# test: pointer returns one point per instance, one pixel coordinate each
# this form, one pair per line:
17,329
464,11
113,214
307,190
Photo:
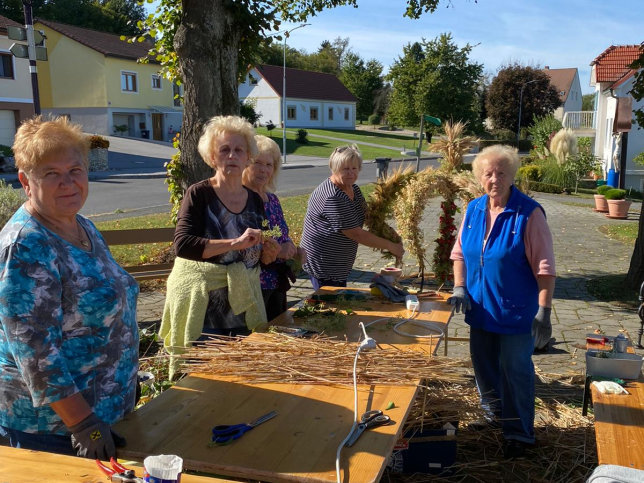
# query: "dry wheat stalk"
278,358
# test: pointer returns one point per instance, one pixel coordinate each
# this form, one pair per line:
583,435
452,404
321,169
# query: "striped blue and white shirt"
330,254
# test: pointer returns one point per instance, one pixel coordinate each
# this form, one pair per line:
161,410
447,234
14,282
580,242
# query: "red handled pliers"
118,472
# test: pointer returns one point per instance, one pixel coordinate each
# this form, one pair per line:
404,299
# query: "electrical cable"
367,343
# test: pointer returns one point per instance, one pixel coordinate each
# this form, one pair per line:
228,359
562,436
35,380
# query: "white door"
7,127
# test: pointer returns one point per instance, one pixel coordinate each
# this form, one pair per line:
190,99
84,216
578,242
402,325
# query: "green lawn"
322,147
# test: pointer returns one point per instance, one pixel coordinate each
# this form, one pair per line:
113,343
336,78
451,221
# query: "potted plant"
618,205
601,205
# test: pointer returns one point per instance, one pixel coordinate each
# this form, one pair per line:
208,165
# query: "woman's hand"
287,251
270,250
397,250
250,238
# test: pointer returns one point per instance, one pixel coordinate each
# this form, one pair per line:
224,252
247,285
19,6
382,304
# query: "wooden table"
433,309
619,421
27,466
298,445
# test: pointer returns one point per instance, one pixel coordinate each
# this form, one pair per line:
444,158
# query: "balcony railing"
579,120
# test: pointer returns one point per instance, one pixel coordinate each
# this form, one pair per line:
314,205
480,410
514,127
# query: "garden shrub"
531,172
541,130
6,150
301,136
98,142
601,190
615,194
374,119
504,135
545,187
10,200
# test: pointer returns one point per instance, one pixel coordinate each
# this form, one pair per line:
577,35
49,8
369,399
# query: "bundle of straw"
278,358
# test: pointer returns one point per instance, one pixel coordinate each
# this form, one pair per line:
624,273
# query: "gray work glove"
460,300
542,328
92,438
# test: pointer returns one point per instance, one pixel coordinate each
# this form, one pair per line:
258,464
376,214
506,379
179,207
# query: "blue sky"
557,33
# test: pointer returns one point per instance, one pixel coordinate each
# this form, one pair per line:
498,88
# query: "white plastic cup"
163,468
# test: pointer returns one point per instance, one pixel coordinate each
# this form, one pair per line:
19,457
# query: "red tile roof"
562,80
4,22
305,84
612,64
107,44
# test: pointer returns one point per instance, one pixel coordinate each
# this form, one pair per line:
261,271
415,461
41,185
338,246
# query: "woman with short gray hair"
333,223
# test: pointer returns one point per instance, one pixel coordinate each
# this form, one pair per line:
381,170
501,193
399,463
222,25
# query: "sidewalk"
581,252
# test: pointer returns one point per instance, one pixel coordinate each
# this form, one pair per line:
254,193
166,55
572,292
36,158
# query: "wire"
431,326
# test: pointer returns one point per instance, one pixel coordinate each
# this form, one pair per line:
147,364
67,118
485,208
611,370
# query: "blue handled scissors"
370,419
226,433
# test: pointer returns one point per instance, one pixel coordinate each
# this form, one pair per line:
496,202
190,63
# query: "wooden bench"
619,420
142,236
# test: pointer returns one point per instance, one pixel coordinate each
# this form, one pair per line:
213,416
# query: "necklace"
78,238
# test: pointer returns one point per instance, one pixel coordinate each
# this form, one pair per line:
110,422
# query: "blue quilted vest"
500,281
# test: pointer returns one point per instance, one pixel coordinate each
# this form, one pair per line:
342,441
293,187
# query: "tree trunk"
207,44
635,275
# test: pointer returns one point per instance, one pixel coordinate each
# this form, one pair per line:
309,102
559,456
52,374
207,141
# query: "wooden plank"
619,426
138,235
27,466
298,445
432,309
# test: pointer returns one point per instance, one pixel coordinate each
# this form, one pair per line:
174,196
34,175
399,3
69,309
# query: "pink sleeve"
538,244
457,250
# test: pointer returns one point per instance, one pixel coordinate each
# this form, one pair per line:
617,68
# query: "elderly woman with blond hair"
504,278
214,285
260,176
69,341
333,222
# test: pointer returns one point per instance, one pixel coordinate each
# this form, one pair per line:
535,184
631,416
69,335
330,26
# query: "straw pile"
278,358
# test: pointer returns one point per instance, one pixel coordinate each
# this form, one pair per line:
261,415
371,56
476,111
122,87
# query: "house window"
251,80
128,82
176,94
330,114
291,113
156,81
346,113
6,66
313,112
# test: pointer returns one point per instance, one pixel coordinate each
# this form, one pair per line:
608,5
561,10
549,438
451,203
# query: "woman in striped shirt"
333,223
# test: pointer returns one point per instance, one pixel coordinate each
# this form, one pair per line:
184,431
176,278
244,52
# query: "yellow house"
16,98
94,78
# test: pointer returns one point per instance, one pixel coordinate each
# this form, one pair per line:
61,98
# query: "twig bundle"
278,358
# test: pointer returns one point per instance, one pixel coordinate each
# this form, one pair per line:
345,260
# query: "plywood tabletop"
27,466
433,309
298,445
619,426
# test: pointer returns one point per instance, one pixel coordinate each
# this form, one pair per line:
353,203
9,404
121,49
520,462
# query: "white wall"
17,89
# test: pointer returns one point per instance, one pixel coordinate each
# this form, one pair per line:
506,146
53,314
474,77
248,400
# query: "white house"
313,99
618,137
566,81
16,96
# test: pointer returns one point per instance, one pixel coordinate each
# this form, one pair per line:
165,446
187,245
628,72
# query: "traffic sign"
20,33
22,52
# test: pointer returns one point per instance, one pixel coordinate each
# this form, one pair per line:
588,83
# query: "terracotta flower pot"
618,209
600,204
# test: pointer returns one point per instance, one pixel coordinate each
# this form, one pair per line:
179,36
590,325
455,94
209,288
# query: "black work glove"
542,328
92,438
460,300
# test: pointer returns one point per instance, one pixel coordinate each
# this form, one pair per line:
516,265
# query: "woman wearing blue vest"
504,278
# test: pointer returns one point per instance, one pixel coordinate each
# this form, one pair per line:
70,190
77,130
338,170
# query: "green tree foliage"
541,131
435,77
364,80
502,103
588,102
114,16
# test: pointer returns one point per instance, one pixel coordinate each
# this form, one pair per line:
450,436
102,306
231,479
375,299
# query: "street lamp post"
286,34
520,103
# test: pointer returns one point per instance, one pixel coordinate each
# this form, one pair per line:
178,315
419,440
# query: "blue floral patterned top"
67,326
275,216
